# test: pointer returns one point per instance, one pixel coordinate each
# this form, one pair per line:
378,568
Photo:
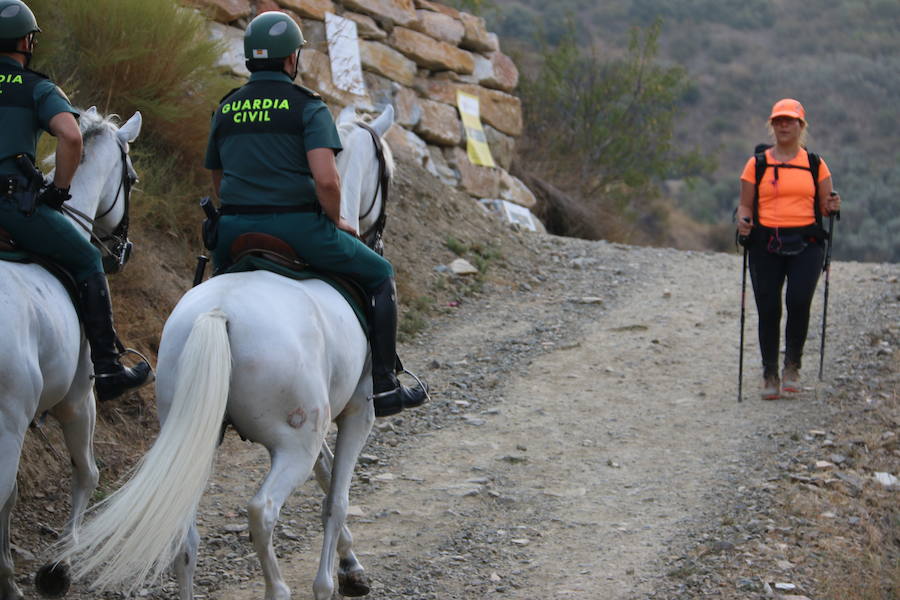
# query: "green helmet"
271,34
16,20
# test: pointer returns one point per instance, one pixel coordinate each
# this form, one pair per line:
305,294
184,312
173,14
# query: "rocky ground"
585,441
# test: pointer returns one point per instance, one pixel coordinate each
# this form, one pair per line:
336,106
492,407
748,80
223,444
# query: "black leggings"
768,272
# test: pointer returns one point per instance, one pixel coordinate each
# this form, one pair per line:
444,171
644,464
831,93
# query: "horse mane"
91,123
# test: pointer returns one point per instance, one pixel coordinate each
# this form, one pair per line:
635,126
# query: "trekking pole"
742,240
827,268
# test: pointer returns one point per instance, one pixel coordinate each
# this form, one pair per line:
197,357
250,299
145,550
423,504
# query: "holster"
23,189
210,228
18,189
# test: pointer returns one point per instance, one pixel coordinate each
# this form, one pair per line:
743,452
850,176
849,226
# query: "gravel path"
584,433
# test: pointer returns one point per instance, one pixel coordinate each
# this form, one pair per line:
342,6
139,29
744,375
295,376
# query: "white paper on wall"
343,49
512,213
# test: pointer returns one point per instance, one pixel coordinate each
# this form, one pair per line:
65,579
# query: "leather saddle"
266,246
249,246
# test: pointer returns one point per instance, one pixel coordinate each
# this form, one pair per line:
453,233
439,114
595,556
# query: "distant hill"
840,58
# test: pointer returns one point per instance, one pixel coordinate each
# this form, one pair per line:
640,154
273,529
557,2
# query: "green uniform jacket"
28,101
259,139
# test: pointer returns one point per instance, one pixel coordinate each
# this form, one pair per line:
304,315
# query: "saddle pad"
352,292
15,256
67,281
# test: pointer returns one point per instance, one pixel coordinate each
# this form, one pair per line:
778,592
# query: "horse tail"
135,533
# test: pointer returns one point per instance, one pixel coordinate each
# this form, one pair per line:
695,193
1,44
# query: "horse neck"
92,181
358,179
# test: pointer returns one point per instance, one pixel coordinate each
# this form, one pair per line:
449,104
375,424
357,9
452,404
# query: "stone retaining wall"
415,55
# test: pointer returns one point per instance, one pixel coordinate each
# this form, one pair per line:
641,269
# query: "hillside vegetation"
839,57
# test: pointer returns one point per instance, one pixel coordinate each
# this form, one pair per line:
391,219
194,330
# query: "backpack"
759,154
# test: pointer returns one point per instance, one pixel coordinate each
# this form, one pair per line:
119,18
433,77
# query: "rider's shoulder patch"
308,92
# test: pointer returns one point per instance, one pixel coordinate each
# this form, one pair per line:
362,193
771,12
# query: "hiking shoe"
771,389
790,380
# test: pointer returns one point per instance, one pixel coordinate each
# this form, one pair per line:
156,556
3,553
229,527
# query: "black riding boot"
389,396
112,378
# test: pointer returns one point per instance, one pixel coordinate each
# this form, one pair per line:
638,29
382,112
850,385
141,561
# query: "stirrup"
399,398
122,353
390,392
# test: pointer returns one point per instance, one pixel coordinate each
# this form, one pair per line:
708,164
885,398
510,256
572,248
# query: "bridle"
373,236
115,244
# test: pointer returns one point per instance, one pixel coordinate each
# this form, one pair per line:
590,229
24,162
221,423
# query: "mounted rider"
272,148
29,104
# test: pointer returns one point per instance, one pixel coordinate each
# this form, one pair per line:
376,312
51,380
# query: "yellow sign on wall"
476,142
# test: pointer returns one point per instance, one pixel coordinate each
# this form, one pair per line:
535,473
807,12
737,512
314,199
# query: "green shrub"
601,129
455,246
128,55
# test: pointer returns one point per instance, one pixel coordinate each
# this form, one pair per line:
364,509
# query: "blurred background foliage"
154,57
840,58
639,113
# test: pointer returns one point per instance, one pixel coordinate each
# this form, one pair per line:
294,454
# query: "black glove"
53,196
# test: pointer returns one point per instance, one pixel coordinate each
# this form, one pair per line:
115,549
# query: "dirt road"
584,430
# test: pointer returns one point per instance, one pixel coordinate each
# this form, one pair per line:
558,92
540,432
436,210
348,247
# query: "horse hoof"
52,580
353,584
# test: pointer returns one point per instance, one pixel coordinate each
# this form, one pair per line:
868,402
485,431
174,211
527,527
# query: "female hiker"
785,191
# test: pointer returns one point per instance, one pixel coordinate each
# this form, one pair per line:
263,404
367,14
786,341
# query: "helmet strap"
29,40
296,69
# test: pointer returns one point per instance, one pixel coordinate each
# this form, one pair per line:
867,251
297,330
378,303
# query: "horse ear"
130,130
348,115
384,121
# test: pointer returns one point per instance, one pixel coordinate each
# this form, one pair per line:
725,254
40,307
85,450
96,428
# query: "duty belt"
256,209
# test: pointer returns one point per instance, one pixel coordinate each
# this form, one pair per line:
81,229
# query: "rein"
121,247
373,235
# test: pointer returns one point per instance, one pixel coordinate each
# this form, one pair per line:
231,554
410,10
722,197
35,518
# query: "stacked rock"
415,55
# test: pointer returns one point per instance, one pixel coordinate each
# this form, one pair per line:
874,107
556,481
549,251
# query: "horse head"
365,165
102,184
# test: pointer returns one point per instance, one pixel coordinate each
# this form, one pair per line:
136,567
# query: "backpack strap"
814,161
760,172
761,165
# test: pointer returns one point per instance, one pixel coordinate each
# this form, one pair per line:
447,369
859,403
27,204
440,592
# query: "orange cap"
788,107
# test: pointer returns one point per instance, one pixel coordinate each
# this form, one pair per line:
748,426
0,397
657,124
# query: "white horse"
45,363
284,358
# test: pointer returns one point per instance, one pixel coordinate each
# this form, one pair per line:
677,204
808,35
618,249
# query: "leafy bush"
602,129
127,55
155,57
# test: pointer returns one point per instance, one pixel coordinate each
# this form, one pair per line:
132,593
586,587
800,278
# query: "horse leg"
185,564
8,588
77,421
10,451
354,425
76,415
352,580
292,464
